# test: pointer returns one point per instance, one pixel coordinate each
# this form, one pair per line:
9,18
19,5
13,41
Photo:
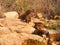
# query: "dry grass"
47,7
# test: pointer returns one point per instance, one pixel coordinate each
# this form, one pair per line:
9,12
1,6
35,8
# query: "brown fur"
39,30
52,37
41,33
39,25
27,15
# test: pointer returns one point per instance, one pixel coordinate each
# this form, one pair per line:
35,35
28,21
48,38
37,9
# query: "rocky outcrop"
16,26
20,29
15,32
11,15
18,39
4,30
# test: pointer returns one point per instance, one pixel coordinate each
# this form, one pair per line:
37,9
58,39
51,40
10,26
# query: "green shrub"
54,25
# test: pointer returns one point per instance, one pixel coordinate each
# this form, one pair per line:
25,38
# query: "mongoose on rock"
27,15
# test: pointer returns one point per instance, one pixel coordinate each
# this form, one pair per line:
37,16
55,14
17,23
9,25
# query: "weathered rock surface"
16,26
4,30
18,39
20,29
15,31
11,15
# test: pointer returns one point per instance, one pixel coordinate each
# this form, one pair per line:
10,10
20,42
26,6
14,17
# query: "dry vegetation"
49,8
40,5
